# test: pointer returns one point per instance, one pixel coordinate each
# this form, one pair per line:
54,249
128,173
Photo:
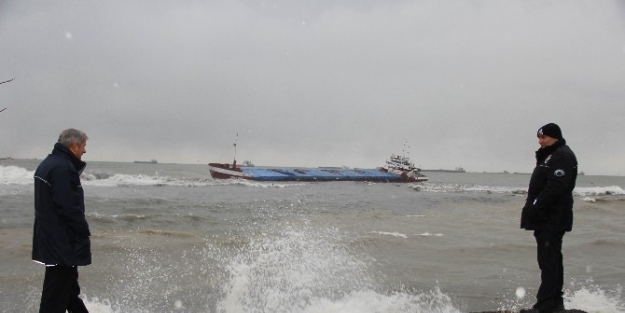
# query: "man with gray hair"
61,232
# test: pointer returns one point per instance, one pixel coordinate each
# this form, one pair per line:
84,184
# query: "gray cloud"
316,82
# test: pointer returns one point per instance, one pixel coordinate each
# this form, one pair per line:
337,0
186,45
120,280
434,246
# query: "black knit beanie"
552,130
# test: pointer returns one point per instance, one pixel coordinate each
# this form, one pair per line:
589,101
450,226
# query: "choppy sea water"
168,238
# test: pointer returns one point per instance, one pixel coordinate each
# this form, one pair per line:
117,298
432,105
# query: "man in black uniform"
548,211
61,233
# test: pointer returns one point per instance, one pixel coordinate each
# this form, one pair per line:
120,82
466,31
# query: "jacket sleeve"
559,178
68,199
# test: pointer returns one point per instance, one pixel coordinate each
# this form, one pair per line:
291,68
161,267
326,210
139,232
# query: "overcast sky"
316,82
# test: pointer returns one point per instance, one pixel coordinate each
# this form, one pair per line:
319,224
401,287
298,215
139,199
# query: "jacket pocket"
82,251
533,215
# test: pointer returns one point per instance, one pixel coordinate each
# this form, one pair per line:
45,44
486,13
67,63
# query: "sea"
169,238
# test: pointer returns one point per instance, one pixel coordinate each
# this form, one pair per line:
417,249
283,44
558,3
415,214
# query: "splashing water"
593,299
308,271
586,297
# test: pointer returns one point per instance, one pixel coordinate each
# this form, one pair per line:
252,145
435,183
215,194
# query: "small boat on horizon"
397,169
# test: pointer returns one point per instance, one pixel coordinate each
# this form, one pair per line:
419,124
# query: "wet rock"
565,311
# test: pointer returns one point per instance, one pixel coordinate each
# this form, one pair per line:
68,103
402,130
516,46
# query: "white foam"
446,187
426,234
593,299
95,305
599,191
370,302
355,302
394,234
303,270
124,180
13,175
586,297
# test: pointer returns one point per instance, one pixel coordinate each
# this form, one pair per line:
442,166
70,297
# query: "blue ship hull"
321,174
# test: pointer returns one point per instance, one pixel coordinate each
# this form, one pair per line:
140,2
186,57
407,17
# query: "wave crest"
519,191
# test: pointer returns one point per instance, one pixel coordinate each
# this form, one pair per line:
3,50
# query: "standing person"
61,233
548,211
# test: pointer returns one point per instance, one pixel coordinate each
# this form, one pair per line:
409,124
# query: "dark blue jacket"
61,233
549,203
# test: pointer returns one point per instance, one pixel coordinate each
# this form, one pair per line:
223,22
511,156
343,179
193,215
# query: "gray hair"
70,136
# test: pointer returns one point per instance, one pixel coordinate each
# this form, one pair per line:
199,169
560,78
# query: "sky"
316,82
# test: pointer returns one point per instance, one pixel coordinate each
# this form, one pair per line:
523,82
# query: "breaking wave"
521,191
300,269
14,175
303,270
586,297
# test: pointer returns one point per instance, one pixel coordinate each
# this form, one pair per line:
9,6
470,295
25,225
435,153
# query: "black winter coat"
549,203
61,233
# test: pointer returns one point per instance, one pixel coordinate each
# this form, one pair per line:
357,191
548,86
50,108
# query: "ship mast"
405,151
234,163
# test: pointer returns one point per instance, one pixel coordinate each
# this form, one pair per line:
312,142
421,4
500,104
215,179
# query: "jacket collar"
543,153
60,149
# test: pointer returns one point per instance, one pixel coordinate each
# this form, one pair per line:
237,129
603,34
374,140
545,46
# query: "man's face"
546,141
79,149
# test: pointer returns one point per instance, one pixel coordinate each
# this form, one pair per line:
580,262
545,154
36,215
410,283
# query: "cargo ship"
397,169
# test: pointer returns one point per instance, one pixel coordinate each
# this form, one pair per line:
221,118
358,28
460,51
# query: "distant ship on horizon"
152,161
456,170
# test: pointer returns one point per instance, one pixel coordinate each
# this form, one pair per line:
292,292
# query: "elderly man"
548,211
61,233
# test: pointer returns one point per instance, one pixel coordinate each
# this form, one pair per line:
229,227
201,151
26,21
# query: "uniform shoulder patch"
559,173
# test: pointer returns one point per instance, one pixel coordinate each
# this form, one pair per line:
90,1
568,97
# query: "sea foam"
521,191
587,297
13,175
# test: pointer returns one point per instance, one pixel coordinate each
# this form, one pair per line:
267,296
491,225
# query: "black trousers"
549,255
61,290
